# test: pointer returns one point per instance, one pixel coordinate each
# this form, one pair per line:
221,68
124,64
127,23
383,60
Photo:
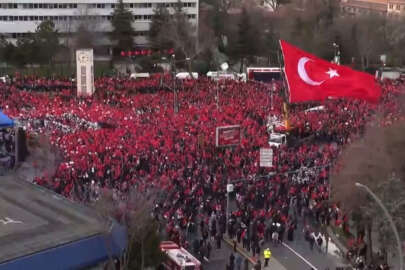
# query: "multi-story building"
21,17
384,7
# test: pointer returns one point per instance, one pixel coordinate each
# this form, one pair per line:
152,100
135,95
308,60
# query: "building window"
398,7
391,6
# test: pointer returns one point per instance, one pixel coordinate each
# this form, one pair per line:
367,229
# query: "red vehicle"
178,258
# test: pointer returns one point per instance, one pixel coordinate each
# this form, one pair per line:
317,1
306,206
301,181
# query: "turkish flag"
310,78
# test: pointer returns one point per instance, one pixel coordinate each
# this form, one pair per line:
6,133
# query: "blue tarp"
76,255
5,121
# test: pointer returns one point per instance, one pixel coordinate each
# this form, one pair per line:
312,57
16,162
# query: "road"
294,255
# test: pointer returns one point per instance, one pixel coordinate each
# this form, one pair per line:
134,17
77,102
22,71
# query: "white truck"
277,139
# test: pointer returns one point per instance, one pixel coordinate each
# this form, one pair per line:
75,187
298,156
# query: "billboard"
228,135
85,72
263,74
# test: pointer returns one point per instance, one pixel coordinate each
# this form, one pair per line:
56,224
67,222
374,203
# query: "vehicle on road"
178,258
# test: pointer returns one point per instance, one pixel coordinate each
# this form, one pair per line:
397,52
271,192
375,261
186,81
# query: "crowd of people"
129,135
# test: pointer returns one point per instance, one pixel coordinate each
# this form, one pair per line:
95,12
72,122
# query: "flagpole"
285,88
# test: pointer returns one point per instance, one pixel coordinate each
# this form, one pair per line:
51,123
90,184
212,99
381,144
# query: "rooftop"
33,219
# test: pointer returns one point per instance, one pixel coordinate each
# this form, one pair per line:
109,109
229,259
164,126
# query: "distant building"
19,18
383,7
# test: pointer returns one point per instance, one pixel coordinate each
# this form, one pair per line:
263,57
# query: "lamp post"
273,88
336,59
391,221
224,68
229,189
175,105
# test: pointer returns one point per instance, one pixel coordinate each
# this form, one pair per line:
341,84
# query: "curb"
335,239
241,251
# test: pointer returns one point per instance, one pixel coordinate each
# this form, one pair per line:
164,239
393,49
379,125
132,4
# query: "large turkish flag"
310,78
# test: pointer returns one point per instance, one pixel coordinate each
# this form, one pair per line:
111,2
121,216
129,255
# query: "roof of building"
39,229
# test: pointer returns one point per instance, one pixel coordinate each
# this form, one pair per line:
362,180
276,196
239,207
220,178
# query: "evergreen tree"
23,52
160,18
245,45
123,32
47,41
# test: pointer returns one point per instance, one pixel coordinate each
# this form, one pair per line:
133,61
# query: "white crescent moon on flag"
303,73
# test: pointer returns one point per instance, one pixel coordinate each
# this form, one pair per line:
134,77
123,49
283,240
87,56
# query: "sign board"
266,157
228,136
85,72
263,74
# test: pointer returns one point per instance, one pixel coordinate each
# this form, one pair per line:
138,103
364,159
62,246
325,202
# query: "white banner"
85,72
266,157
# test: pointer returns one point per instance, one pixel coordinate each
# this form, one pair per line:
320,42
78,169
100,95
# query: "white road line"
298,255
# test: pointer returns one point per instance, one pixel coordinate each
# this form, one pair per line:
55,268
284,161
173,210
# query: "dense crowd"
129,135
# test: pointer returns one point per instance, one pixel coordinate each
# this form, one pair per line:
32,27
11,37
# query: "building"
40,229
20,17
383,7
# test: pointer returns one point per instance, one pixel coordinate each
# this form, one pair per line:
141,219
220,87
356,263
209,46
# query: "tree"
47,41
244,46
143,249
123,32
183,36
84,38
373,161
160,19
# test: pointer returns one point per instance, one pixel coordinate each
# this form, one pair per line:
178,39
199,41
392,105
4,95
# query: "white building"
20,17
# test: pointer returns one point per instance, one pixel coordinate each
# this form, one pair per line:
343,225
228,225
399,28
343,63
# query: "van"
277,139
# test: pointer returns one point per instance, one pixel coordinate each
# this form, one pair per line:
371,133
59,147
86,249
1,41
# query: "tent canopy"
5,121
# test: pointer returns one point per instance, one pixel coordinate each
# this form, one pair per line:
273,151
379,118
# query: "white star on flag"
332,73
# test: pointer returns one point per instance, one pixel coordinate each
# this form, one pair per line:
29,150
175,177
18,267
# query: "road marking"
8,220
299,256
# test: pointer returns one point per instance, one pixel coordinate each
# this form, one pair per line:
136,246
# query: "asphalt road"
294,255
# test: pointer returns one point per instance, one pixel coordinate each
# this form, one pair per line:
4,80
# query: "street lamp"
336,59
391,221
224,67
273,89
229,190
175,101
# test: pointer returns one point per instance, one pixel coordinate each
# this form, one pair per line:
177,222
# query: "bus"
178,258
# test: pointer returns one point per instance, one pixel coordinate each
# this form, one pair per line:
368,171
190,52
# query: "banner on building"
85,72
266,157
228,136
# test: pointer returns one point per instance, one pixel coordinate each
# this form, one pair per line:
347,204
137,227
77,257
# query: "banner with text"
228,136
266,157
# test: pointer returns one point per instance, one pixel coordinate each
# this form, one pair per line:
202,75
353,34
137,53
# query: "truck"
178,258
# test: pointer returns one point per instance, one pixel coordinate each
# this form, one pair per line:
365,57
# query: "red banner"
228,136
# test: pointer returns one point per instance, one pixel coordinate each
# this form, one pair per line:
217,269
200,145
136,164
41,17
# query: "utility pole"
273,88
175,98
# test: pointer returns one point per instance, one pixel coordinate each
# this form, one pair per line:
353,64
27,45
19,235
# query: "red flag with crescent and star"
310,78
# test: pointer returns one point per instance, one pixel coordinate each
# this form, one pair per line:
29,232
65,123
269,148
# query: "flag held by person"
310,78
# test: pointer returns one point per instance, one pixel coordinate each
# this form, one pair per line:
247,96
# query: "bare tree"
183,35
375,161
136,214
